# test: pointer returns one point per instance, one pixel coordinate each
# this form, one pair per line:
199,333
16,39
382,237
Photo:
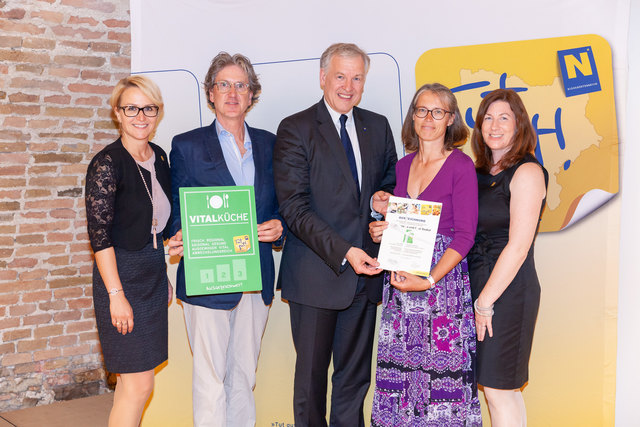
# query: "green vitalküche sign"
220,239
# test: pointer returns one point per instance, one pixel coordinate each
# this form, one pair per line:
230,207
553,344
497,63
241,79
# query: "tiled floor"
87,412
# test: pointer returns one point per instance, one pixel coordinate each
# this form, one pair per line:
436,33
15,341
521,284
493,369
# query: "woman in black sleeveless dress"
504,284
127,200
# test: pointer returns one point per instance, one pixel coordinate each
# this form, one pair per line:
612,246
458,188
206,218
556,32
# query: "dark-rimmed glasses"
436,113
225,86
134,110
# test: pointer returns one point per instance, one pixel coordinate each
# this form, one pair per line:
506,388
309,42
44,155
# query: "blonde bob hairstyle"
145,85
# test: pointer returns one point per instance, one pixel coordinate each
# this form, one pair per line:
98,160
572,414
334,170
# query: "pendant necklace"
154,220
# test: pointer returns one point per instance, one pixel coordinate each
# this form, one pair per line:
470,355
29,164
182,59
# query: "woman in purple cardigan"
426,347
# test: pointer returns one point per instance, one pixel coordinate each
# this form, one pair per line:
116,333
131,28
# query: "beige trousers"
225,346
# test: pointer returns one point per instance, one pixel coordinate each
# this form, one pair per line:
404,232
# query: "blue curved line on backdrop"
184,71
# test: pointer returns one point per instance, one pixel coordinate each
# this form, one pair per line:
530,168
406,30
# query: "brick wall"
59,60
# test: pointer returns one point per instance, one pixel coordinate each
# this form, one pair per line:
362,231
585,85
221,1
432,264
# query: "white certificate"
407,244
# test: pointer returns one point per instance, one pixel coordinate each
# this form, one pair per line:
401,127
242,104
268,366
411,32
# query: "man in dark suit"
328,161
225,330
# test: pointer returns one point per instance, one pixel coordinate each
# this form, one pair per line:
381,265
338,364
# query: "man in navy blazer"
328,162
225,330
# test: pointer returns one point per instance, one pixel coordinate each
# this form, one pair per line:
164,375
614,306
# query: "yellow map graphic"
578,142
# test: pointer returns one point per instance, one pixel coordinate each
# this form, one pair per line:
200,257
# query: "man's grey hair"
222,60
346,50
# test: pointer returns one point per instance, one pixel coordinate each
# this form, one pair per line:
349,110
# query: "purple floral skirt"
426,354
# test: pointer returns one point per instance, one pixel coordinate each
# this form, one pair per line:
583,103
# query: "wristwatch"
114,291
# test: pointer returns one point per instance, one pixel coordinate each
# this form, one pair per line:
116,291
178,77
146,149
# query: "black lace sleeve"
100,195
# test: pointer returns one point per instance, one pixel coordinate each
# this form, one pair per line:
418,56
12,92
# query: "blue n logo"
579,72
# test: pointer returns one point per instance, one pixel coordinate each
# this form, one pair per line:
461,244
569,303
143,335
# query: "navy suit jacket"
319,201
197,161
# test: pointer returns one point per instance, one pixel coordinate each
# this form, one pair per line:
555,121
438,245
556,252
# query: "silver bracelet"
483,311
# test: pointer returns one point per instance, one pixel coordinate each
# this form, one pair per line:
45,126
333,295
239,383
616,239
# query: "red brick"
58,99
82,45
82,258
80,303
69,281
18,27
13,135
90,88
89,336
7,229
63,340
43,227
41,249
76,350
22,158
9,322
39,356
110,136
84,61
82,20
23,263
9,299
55,364
43,146
38,295
15,359
16,334
64,316
55,17
13,170
63,213
31,83
61,181
69,111
121,37
58,260
42,124
77,147
52,306
24,56
30,68
8,275
22,309
25,239
23,97
121,62
48,331
16,122
90,100
12,147
83,33
65,271
13,14
38,192
31,345
38,43
27,368
10,194
64,72
104,47
16,42
83,326
19,110
102,6
7,348
49,204
59,237
68,293
38,319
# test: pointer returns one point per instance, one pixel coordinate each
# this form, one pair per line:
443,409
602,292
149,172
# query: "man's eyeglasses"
134,110
225,86
436,113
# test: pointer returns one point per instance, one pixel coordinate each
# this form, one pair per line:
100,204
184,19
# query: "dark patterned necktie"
348,148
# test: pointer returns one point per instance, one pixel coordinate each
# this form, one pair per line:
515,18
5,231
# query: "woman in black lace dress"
127,200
